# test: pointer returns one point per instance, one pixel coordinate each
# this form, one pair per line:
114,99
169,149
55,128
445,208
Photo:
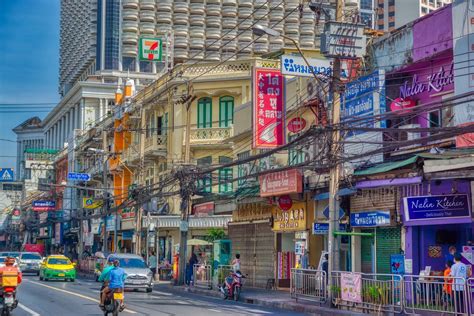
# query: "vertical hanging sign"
268,108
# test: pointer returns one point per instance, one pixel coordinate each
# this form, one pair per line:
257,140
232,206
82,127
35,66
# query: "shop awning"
194,222
341,192
384,167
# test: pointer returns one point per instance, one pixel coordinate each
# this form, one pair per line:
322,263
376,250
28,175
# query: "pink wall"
433,34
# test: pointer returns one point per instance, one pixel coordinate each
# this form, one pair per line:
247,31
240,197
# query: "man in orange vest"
10,267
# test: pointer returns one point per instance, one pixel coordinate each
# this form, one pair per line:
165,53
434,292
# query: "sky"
29,63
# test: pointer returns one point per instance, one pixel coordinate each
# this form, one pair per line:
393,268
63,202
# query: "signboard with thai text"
43,205
203,209
268,108
364,97
296,66
342,39
281,182
351,287
293,219
436,209
370,219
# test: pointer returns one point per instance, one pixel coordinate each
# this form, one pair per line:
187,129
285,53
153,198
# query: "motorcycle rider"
105,277
11,269
117,277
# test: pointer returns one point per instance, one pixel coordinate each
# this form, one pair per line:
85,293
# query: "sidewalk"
274,299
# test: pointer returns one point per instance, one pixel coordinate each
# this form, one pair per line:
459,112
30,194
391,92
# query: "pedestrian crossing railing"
367,292
436,295
202,276
307,284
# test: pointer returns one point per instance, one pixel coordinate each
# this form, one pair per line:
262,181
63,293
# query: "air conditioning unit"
409,135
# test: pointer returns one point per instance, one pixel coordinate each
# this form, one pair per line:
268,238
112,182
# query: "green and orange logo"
150,49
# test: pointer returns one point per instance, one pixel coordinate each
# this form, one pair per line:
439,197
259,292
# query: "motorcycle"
232,286
112,303
8,300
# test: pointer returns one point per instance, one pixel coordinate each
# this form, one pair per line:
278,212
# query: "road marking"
26,309
162,293
214,310
181,302
78,295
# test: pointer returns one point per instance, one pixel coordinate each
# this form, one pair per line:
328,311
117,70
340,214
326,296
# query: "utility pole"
184,182
333,246
106,193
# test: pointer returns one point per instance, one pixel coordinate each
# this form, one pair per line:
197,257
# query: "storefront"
291,239
377,236
437,219
252,237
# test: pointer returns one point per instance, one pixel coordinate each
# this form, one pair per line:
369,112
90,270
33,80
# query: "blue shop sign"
370,219
437,207
323,228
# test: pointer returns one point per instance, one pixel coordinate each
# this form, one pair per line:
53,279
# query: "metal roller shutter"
255,243
388,243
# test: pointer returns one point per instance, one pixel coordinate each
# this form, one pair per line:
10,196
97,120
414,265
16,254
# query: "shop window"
225,176
226,111
204,113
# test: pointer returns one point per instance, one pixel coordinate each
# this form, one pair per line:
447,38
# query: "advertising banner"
91,203
43,205
268,108
203,209
434,208
281,182
351,287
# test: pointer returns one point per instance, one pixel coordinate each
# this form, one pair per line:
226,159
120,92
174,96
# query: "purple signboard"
436,209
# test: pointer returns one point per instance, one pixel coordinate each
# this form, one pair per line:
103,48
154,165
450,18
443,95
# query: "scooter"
8,300
112,304
232,286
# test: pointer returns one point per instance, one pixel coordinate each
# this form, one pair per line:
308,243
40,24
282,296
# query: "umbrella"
198,242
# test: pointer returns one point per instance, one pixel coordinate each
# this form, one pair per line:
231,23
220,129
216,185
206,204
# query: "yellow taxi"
57,267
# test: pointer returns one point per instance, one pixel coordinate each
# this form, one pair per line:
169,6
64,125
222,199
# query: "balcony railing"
211,135
156,145
131,154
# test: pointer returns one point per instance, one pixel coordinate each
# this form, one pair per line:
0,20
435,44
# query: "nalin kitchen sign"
433,83
442,208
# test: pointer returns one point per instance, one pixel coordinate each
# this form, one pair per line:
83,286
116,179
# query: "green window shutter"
388,243
199,114
226,111
224,176
165,124
204,118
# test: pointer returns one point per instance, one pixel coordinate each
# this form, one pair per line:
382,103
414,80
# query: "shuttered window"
204,115
226,111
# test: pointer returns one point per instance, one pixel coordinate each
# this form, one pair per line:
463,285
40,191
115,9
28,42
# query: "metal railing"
223,271
309,285
202,275
366,292
435,294
210,134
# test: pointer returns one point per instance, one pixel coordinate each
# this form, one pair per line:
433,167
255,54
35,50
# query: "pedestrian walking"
459,273
448,286
152,263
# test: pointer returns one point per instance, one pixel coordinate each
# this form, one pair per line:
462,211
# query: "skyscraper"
392,14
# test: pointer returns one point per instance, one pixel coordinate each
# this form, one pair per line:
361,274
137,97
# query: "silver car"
139,275
30,262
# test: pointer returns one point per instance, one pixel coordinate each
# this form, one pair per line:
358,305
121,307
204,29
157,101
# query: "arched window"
226,111
204,113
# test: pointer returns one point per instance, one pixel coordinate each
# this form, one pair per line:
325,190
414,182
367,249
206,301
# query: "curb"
294,306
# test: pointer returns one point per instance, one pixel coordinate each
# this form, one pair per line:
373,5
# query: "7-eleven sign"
149,49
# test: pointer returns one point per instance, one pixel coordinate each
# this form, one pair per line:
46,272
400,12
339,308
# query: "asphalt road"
81,298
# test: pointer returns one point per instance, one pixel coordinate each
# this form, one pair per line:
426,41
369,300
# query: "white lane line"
214,310
162,293
181,302
26,309
78,295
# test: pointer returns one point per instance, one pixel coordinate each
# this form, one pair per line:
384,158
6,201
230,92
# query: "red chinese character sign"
268,108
